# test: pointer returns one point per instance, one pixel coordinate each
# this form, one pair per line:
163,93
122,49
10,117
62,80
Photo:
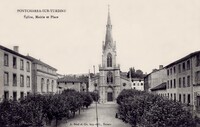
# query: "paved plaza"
87,118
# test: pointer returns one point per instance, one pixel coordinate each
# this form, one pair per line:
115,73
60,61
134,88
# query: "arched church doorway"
109,94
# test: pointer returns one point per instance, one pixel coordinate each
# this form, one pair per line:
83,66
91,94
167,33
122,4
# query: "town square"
100,63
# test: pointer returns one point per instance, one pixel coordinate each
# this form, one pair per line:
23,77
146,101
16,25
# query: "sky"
148,33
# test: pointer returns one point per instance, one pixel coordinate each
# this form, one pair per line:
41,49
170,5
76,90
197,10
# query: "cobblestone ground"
87,118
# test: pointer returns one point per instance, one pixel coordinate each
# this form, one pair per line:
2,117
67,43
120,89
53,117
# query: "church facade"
109,82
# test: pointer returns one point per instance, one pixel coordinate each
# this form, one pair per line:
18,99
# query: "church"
109,82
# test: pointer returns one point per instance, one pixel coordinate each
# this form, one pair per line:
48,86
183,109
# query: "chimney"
160,66
154,70
16,49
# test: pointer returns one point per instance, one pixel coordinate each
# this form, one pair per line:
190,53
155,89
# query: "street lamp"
95,84
96,103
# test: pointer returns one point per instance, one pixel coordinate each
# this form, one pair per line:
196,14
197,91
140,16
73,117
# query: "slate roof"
69,79
13,52
156,70
124,77
137,79
182,59
34,60
160,87
97,75
124,74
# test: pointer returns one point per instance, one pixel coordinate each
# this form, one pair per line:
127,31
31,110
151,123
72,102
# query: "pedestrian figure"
116,115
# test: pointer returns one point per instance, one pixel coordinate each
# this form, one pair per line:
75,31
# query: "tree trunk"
73,114
50,122
56,122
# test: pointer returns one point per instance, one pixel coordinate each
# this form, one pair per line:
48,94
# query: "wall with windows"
179,81
196,72
92,82
109,58
137,84
109,83
155,78
45,79
196,81
124,83
78,86
160,92
46,83
183,80
15,75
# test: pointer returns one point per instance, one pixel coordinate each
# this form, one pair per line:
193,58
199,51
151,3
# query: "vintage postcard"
104,63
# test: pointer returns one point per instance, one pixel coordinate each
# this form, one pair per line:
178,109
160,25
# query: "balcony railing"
105,67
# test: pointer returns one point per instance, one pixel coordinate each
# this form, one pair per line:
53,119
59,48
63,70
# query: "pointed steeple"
108,20
108,39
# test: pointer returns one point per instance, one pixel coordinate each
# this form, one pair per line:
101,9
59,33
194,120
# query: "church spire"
108,20
108,39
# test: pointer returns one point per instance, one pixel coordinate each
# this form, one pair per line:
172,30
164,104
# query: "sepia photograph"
100,63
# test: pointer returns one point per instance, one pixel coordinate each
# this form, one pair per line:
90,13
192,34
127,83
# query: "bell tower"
109,80
109,47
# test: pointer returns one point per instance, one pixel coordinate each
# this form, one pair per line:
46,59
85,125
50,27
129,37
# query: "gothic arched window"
109,77
109,60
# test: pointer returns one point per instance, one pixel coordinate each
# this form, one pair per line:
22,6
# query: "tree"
95,96
139,72
87,99
33,110
84,79
131,72
135,74
33,106
92,75
147,110
74,99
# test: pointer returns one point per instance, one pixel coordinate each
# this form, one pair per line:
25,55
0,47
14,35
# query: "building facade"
74,83
44,77
160,90
196,81
155,78
108,82
15,74
137,84
183,80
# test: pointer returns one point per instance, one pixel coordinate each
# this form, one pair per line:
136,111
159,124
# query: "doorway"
109,96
